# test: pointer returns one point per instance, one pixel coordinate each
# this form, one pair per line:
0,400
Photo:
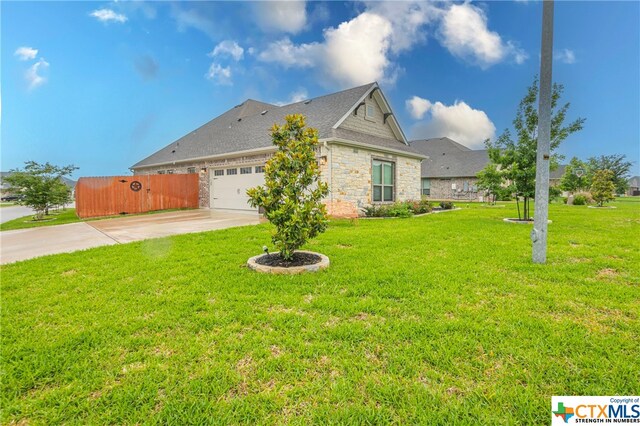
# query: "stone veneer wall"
350,178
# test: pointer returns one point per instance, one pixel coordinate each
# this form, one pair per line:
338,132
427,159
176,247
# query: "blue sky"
104,84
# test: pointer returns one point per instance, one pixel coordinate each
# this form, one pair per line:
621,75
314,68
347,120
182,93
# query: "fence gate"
113,195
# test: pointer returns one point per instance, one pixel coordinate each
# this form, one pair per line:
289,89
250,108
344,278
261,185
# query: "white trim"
397,131
346,142
233,154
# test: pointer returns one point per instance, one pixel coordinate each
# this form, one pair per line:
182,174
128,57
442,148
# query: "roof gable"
246,127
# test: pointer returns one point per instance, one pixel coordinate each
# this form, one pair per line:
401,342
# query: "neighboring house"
450,171
556,175
363,154
634,186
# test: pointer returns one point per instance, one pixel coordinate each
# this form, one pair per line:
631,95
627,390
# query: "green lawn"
440,319
59,217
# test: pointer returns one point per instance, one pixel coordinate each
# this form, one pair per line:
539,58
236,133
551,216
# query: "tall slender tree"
517,154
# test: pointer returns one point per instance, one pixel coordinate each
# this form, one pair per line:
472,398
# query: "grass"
6,204
439,319
61,217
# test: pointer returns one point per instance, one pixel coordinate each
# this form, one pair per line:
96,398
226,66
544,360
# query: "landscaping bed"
441,319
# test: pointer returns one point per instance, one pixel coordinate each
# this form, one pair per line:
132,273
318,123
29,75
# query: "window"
245,170
426,187
259,169
232,172
169,172
160,172
191,169
218,172
465,186
383,181
370,112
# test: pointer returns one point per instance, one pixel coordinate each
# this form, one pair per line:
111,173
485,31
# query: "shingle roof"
246,127
448,159
558,172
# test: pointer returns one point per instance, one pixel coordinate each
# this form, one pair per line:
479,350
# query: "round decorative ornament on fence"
135,186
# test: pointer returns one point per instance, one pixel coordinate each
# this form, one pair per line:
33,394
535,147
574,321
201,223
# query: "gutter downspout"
330,174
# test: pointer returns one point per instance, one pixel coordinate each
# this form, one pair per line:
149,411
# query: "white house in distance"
364,155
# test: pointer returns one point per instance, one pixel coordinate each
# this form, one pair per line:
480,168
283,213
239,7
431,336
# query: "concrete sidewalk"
34,242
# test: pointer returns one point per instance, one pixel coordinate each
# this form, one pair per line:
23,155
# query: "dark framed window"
218,172
169,172
383,181
160,172
426,187
191,170
232,172
259,169
245,170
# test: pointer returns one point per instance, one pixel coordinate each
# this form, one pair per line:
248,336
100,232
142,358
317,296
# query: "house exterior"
634,186
363,154
450,171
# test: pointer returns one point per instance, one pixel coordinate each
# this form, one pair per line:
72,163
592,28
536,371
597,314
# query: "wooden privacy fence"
113,195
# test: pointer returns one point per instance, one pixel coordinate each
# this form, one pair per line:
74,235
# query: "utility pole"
541,213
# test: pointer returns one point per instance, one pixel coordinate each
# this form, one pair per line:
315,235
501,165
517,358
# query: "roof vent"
263,112
240,119
307,102
173,151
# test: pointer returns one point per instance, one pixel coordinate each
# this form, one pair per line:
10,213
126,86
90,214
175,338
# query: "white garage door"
229,187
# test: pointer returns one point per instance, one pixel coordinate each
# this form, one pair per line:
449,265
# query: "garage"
229,187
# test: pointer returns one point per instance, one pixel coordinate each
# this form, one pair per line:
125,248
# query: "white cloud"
566,56
34,76
464,32
417,107
353,53
297,96
25,53
281,16
219,75
198,17
460,122
228,48
287,54
108,15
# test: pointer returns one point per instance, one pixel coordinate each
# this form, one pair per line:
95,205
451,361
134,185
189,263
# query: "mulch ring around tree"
299,259
521,221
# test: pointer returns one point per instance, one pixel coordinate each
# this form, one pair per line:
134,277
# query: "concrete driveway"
29,243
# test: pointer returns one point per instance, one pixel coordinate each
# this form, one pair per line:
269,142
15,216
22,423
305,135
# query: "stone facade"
442,189
348,171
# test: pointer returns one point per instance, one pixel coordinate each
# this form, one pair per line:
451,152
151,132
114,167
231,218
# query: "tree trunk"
518,206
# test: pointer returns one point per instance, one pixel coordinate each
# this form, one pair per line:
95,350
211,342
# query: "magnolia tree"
292,194
516,154
41,186
603,186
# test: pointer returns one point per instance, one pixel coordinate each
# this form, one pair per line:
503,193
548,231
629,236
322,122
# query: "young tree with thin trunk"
40,185
517,155
617,164
603,187
490,179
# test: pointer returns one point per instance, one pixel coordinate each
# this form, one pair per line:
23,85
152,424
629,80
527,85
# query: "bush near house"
582,199
398,209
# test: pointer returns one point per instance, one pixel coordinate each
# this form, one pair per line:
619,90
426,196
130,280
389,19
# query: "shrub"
399,210
580,200
419,206
293,192
602,187
446,205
